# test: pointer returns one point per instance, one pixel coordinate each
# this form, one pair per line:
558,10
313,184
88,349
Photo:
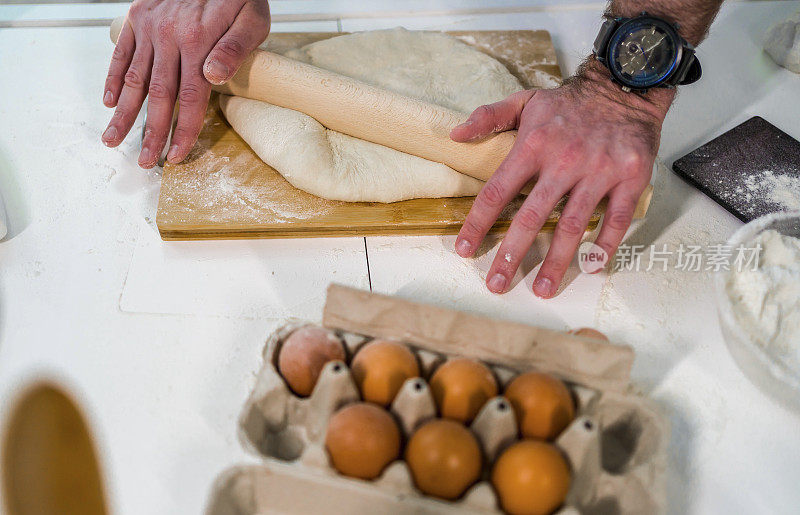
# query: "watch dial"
642,54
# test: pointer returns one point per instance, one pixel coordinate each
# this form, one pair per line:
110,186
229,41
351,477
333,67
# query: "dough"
426,65
430,66
336,166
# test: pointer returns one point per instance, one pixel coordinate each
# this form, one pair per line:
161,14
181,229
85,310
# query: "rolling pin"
366,112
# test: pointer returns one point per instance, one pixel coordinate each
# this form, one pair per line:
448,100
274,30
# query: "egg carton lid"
581,360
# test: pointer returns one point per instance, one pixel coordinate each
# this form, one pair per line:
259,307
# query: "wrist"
594,76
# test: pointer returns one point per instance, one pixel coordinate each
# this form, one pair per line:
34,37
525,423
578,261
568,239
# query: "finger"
570,228
132,95
161,103
120,60
618,216
487,119
249,29
193,98
525,226
505,183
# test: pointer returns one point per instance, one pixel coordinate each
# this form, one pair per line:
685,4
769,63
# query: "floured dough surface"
429,66
426,65
336,166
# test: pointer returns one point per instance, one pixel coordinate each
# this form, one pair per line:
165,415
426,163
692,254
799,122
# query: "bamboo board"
224,191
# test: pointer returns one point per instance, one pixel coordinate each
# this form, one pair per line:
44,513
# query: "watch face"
643,52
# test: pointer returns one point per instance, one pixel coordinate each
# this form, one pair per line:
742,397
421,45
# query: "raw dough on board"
430,66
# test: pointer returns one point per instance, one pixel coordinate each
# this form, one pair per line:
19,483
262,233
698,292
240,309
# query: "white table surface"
160,341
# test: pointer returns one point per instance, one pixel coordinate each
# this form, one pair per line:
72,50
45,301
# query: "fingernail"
108,98
216,71
147,157
110,135
497,283
463,248
543,287
172,155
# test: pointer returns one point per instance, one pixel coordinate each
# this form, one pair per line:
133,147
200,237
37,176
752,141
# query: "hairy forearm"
693,17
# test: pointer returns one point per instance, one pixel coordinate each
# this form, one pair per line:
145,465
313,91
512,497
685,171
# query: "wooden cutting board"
223,190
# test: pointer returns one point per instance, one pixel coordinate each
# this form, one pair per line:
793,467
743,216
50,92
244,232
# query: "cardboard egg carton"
615,447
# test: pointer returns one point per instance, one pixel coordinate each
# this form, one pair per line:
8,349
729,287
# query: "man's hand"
172,49
586,138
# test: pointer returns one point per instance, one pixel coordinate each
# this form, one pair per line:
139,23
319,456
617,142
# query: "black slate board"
751,170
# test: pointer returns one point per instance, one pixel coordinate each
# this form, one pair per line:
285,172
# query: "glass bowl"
769,372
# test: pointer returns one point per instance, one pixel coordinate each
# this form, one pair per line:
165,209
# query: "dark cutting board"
751,170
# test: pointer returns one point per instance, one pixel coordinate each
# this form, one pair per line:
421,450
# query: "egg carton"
615,446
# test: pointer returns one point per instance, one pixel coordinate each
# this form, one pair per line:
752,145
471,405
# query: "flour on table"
428,66
766,301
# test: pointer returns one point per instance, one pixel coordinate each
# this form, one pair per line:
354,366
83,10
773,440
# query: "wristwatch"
646,52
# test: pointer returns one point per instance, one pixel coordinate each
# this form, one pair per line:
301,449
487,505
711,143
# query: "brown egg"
542,403
362,439
444,458
588,332
380,368
304,354
461,387
531,478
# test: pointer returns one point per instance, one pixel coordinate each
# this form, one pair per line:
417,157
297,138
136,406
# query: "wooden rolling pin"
366,112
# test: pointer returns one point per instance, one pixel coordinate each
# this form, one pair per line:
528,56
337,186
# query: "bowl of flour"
758,300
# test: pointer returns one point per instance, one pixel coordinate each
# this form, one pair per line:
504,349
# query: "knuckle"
186,132
570,225
120,116
158,90
542,193
121,54
154,134
582,200
192,35
492,194
618,220
190,94
632,162
484,111
470,228
603,162
134,78
529,218
231,46
530,142
556,265
165,29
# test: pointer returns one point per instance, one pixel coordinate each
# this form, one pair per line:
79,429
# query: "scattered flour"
766,301
780,189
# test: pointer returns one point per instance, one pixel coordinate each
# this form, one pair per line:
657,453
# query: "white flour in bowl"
766,301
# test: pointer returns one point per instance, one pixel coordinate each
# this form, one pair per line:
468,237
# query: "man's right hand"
172,49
